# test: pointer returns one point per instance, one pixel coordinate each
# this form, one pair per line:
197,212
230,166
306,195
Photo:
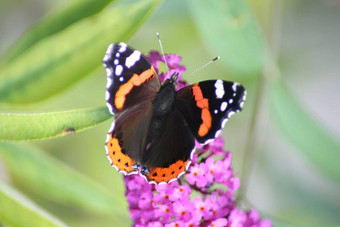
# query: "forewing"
131,79
207,105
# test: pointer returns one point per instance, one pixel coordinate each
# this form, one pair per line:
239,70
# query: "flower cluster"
202,197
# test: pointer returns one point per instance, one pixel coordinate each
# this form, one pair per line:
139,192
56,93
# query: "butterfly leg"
145,170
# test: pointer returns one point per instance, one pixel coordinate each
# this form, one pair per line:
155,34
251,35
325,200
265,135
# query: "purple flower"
173,61
183,210
204,196
220,222
181,193
196,176
163,212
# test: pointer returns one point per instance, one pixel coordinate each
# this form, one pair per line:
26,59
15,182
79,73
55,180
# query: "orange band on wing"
115,154
160,174
135,80
203,104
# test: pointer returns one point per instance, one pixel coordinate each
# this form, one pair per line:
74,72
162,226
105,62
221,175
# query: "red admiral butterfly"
155,126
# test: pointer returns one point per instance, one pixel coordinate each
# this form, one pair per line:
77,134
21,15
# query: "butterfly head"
174,77
172,80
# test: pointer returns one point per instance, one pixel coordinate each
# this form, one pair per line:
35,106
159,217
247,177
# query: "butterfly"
155,126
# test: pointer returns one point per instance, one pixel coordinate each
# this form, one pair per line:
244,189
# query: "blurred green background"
285,142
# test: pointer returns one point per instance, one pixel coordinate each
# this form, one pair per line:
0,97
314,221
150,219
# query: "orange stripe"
203,104
135,80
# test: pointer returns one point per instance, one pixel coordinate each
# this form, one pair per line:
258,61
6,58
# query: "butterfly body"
155,125
165,98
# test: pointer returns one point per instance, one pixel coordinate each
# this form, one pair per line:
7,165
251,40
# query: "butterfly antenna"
203,66
160,43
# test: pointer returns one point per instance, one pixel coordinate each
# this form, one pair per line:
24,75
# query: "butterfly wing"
132,84
168,154
127,137
207,105
131,79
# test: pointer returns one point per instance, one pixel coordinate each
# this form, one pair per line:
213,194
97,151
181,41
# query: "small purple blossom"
204,196
220,222
197,173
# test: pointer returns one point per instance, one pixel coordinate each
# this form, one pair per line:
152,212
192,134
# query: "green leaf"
306,133
54,22
33,126
231,30
17,210
58,61
55,181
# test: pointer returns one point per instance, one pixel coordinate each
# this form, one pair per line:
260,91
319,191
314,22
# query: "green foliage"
67,56
33,126
55,22
18,210
58,182
322,149
230,28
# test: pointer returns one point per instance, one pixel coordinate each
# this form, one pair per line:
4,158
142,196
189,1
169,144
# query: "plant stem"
259,119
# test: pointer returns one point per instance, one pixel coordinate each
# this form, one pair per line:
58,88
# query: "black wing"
207,105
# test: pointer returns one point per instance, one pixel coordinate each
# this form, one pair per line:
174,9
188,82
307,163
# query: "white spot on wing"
215,111
116,61
122,47
219,91
109,106
119,70
121,79
106,57
231,101
117,55
109,50
192,154
224,122
109,71
107,140
108,54
243,99
244,96
132,59
134,172
224,106
218,133
112,127
231,113
107,150
235,85
109,82
107,95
